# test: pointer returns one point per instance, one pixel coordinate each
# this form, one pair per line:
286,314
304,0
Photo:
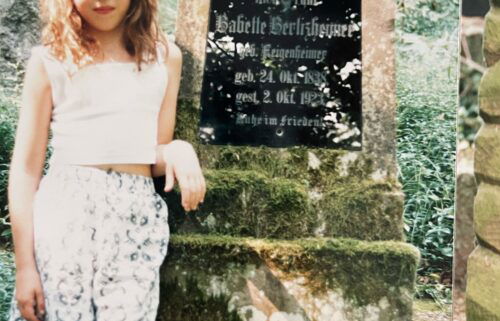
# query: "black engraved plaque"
282,73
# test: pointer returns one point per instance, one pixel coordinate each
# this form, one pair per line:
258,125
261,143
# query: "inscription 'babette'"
277,26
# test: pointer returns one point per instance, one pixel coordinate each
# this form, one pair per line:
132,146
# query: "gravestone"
294,230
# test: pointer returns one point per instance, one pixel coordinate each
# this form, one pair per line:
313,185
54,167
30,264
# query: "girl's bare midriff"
138,169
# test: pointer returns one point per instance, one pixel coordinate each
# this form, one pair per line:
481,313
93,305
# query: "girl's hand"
29,294
182,164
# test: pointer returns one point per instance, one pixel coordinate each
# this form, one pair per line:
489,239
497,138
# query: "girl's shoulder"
51,63
161,50
172,55
43,52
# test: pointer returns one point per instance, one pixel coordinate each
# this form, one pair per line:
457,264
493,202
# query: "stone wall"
483,270
466,189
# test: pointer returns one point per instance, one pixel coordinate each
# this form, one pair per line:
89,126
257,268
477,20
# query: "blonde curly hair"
63,31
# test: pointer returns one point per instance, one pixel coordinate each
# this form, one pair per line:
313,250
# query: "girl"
91,234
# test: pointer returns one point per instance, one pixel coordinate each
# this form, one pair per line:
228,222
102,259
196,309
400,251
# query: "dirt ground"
429,311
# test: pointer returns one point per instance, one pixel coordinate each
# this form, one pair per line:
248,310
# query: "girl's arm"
26,169
176,158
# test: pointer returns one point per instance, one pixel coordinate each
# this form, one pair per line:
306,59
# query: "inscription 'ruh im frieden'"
291,2
283,73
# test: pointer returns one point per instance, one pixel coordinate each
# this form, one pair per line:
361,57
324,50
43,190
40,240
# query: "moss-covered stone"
362,210
246,203
491,36
291,192
364,273
487,154
250,203
483,285
486,218
490,85
199,306
489,94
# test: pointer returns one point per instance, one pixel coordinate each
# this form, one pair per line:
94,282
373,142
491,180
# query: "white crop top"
107,113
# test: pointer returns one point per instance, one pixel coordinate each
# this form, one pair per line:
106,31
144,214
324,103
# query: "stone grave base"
222,278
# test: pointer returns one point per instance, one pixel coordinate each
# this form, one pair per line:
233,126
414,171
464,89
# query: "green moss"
249,203
187,302
187,120
282,162
364,272
289,162
476,311
362,210
490,84
271,192
246,203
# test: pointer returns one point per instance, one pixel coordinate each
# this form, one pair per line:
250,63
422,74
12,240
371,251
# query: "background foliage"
427,82
429,18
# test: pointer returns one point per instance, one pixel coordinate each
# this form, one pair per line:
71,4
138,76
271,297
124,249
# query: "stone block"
251,203
362,210
492,35
246,203
487,154
489,95
243,279
483,285
487,215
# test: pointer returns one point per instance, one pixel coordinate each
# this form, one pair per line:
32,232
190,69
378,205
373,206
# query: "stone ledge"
245,203
305,279
251,203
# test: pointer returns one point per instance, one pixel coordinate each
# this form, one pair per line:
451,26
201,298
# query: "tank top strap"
55,71
162,51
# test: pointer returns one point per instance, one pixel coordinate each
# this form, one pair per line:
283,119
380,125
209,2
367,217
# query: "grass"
427,82
7,282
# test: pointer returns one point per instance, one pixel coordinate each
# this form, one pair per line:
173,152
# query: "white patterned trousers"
100,238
